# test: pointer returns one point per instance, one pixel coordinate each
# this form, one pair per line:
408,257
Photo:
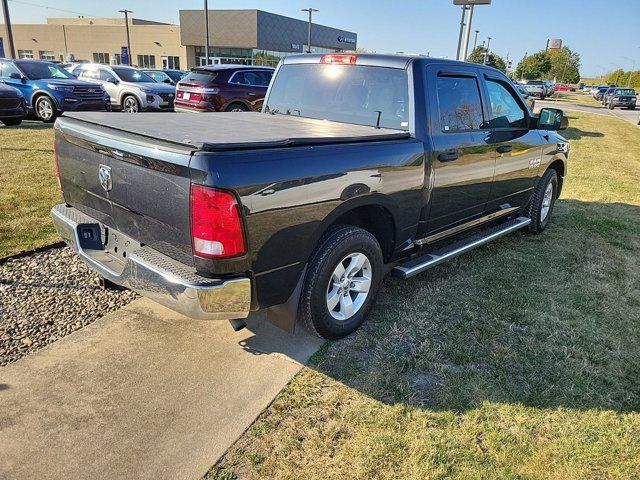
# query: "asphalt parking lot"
141,393
628,115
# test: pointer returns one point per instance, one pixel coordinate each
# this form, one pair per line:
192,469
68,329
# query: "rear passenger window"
506,112
459,103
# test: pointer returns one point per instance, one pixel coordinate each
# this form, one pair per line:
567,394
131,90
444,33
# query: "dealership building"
235,36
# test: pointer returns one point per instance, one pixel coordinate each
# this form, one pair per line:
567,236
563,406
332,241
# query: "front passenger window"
506,112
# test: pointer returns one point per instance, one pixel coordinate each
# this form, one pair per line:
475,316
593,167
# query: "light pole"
464,13
486,53
310,10
633,68
206,31
475,39
7,22
126,22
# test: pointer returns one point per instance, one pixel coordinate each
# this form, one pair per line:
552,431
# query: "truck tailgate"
147,194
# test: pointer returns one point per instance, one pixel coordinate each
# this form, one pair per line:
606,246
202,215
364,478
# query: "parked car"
561,87
160,76
621,97
550,87
131,89
50,90
602,94
176,75
536,88
529,100
400,156
599,92
223,88
13,107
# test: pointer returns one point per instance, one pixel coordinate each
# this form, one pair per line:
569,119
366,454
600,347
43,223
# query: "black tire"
237,107
12,122
611,106
131,104
539,221
45,109
333,248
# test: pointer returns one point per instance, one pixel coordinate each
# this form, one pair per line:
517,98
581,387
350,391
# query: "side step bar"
420,264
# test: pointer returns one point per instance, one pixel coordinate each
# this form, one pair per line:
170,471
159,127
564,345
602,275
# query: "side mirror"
169,81
17,76
112,80
552,119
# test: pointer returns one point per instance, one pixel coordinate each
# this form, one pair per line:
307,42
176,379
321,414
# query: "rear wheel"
543,200
45,109
12,122
237,107
130,104
341,282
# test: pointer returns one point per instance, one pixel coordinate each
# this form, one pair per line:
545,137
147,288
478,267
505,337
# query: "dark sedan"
223,88
13,107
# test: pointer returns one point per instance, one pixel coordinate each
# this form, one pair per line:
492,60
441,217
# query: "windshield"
625,91
344,93
132,75
159,76
43,70
534,82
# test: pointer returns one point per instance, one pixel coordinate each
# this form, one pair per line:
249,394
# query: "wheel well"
237,102
128,94
37,95
558,166
376,220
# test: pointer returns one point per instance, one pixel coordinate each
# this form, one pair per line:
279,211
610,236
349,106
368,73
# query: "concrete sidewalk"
142,393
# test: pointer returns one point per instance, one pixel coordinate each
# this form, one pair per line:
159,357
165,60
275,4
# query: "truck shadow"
546,321
573,133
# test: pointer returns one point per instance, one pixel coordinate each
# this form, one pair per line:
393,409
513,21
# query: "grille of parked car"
9,102
89,93
167,97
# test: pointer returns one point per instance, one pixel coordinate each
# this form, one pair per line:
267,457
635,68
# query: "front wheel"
542,202
130,104
237,107
341,282
45,109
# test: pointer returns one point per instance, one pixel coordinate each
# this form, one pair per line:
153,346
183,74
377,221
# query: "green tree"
493,60
534,67
565,66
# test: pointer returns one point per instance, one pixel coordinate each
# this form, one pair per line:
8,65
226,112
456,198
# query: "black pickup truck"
358,165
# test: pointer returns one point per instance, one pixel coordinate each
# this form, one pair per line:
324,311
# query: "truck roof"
233,130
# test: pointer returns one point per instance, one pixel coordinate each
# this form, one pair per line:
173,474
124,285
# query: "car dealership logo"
104,177
342,39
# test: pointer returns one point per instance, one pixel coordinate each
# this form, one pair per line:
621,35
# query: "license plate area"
186,96
119,245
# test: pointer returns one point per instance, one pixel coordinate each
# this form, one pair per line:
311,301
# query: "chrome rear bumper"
152,274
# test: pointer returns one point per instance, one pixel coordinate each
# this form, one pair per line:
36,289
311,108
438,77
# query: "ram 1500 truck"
358,165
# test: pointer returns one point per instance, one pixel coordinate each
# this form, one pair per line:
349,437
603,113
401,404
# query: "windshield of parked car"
132,75
159,76
42,70
625,91
603,89
534,82
356,94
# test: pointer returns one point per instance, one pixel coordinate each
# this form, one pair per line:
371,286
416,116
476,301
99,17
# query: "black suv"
620,97
12,105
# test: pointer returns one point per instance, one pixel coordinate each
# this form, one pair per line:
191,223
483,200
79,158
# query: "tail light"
339,58
56,168
216,227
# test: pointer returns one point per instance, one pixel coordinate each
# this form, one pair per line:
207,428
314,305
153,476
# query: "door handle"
251,94
504,148
448,156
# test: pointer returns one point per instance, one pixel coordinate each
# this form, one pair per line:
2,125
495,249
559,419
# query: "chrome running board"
424,262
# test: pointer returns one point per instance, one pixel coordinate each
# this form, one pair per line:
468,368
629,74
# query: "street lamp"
633,68
310,10
486,53
475,39
126,21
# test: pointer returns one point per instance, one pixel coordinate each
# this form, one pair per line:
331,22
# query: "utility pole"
475,39
467,34
310,10
206,31
7,22
126,21
464,14
486,53
546,49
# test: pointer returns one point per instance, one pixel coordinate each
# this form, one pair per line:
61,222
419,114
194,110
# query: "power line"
51,8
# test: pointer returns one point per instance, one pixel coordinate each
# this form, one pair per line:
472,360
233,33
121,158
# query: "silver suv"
130,89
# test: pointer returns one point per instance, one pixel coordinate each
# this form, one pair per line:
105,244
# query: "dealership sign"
1,48
342,39
471,2
124,54
555,44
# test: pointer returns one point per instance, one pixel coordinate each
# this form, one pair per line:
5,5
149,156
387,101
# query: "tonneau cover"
234,130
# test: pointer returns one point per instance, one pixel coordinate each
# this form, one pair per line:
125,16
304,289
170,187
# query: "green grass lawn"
575,98
28,188
518,360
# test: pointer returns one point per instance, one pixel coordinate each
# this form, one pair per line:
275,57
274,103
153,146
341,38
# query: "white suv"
130,89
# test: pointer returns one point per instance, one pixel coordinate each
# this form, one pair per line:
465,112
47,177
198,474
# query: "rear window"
534,82
200,76
344,93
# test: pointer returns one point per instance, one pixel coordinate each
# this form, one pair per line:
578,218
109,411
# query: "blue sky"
418,26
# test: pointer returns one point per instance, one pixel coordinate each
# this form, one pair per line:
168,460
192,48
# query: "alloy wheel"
45,109
349,286
546,202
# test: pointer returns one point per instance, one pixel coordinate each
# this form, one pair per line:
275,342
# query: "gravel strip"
48,295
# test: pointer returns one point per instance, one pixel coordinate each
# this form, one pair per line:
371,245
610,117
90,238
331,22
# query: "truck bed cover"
236,130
